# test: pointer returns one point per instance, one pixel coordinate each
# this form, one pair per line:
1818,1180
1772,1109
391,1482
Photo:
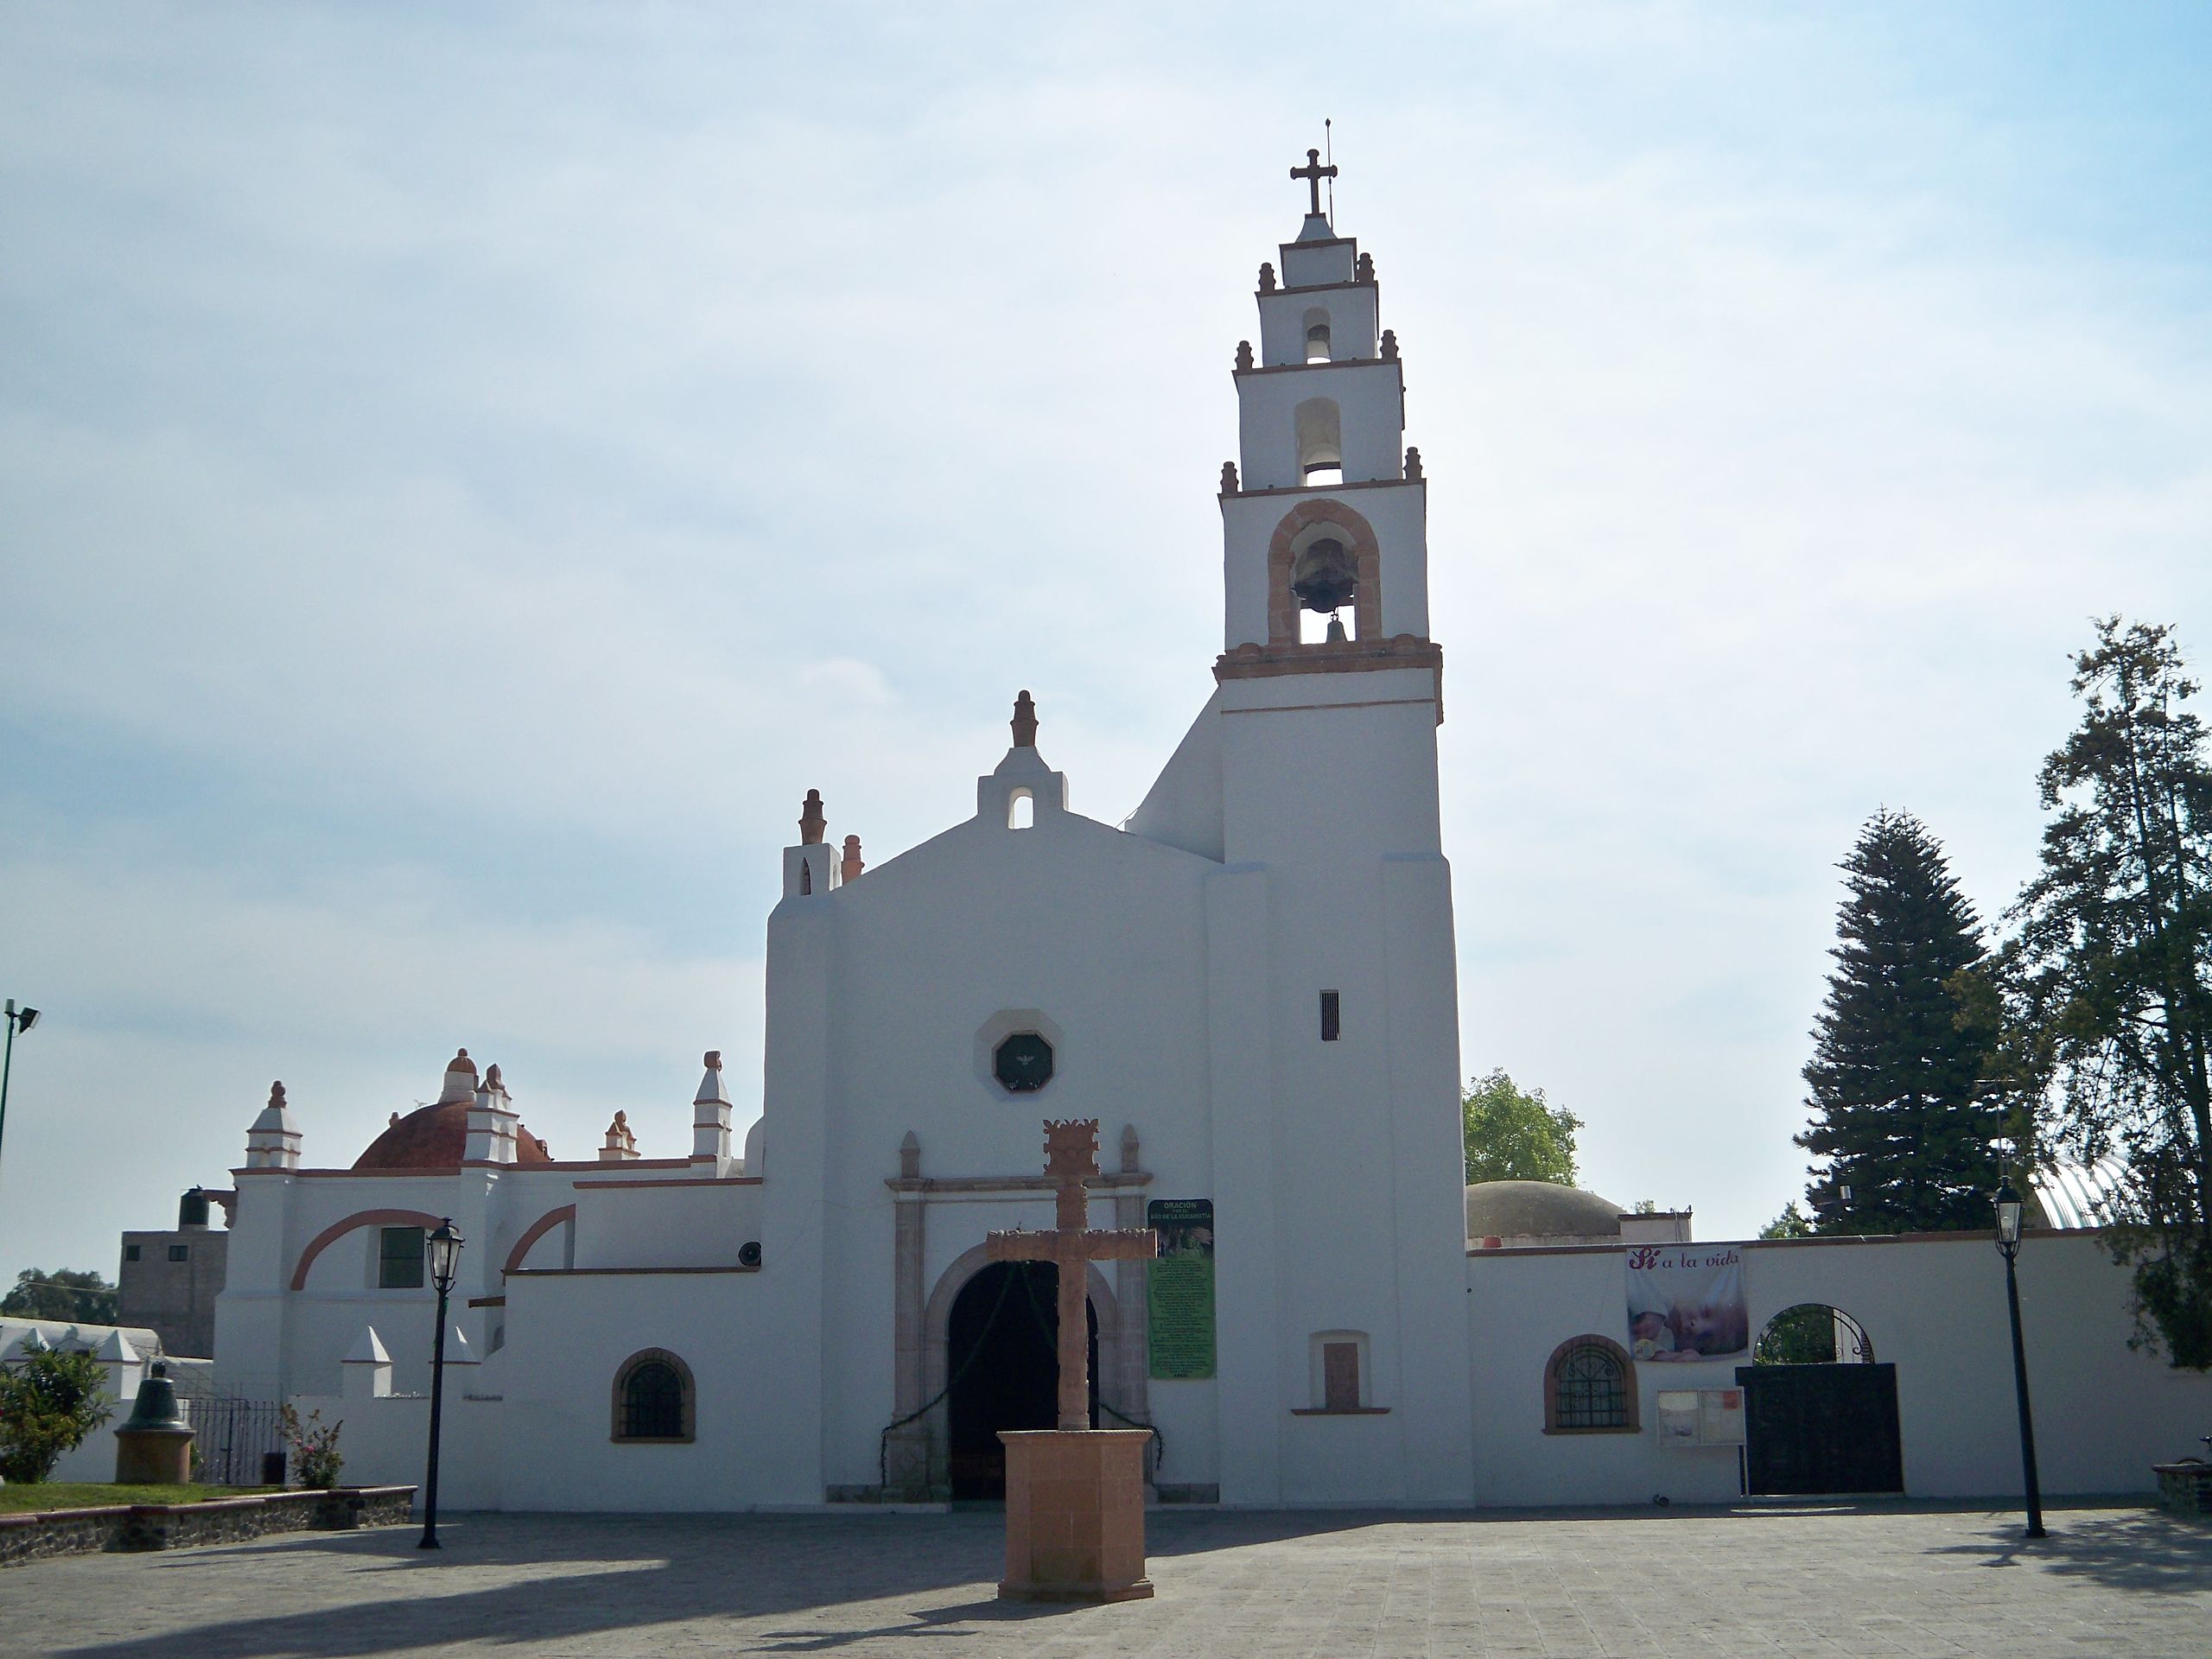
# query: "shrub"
49,1401
314,1448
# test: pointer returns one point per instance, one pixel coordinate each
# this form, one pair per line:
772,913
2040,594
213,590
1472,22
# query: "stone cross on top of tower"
1313,173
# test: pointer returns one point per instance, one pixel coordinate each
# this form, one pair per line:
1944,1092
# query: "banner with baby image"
1686,1301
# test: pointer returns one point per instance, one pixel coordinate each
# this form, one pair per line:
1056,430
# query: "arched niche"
1307,522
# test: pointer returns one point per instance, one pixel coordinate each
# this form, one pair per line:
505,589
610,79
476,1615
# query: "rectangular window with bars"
399,1258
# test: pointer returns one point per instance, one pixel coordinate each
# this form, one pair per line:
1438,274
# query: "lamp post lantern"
2010,1212
441,1254
18,1019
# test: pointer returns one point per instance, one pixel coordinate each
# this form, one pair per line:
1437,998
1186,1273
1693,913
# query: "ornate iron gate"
240,1442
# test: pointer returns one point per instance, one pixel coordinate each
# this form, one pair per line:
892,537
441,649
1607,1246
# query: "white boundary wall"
1932,1303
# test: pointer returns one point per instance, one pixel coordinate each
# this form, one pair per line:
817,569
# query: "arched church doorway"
1001,1346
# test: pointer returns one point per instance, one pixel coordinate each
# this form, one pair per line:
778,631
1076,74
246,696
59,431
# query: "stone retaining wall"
217,1521
2185,1487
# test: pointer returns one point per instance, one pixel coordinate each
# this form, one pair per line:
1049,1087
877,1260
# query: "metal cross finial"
1313,173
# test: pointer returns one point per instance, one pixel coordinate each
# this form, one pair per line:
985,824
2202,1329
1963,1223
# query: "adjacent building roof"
1539,1210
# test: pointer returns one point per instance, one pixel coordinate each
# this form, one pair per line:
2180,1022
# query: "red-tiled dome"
435,1137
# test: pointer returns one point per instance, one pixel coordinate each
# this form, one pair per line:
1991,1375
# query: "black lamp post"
18,1019
2010,1211
441,1254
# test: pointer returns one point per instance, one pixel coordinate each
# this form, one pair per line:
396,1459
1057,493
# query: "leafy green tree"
2108,980
49,1400
1900,1048
1513,1136
1792,1223
80,1298
1804,1335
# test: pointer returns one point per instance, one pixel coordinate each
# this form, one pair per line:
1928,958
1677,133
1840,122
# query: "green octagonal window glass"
1022,1063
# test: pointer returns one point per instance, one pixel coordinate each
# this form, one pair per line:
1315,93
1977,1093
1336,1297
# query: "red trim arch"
338,1229
544,1224
1367,564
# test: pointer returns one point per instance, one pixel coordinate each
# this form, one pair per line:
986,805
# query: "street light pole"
18,1019
441,1253
2009,1213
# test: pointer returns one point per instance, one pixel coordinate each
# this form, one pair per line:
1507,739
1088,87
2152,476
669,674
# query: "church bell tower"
1329,695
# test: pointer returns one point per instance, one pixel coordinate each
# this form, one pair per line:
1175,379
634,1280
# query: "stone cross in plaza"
1071,1160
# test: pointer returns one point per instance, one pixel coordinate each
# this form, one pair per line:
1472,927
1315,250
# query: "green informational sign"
1179,1298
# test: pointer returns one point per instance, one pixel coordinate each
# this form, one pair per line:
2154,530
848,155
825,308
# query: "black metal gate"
1822,1429
238,1442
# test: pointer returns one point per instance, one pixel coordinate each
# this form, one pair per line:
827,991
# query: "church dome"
435,1137
1539,1210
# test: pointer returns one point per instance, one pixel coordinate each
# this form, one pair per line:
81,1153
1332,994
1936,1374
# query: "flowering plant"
314,1447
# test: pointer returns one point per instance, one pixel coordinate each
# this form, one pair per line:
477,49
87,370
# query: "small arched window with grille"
1590,1389
653,1398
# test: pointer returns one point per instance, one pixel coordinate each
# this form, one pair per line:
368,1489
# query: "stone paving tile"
1882,1580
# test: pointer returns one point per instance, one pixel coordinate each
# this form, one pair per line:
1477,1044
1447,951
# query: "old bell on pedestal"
1323,578
154,1448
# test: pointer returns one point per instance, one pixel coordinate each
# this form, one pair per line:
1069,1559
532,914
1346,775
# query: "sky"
466,472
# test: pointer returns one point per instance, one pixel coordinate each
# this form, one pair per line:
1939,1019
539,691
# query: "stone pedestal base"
153,1456
1075,1515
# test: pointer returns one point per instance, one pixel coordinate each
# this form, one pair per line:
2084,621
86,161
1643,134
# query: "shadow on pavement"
600,1574
2127,1549
563,1579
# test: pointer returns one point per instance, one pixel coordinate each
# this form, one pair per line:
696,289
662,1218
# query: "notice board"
1179,1295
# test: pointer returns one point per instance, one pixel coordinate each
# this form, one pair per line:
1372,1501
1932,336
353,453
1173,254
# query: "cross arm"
1123,1243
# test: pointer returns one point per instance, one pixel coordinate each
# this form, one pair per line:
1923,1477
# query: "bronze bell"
1324,579
156,1406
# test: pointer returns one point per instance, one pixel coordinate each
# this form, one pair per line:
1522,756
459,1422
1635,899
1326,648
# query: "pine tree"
1899,1049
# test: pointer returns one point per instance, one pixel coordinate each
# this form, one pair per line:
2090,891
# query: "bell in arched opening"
1317,343
1324,578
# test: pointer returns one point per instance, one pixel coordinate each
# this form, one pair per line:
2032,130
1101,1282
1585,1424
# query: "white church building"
1251,985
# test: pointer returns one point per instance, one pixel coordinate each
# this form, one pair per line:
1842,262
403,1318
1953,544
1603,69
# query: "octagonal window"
1023,1062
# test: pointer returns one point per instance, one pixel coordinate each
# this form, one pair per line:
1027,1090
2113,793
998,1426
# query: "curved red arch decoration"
544,1224
338,1229
1367,563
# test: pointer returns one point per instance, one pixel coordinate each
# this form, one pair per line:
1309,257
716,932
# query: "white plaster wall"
1183,807
570,1334
386,1441
1371,404
1101,931
1352,325
1304,264
677,1222
1933,1305
272,1341
1329,783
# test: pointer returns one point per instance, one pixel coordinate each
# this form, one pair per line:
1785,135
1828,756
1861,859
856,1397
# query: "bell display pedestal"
153,1456
1075,1515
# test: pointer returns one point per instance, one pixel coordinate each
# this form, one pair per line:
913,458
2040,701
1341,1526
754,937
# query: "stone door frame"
916,1454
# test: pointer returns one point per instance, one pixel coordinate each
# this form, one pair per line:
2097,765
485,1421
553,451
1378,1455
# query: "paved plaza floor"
1813,1580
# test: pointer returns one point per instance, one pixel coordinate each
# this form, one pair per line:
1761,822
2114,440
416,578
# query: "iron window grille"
1590,1388
652,1403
